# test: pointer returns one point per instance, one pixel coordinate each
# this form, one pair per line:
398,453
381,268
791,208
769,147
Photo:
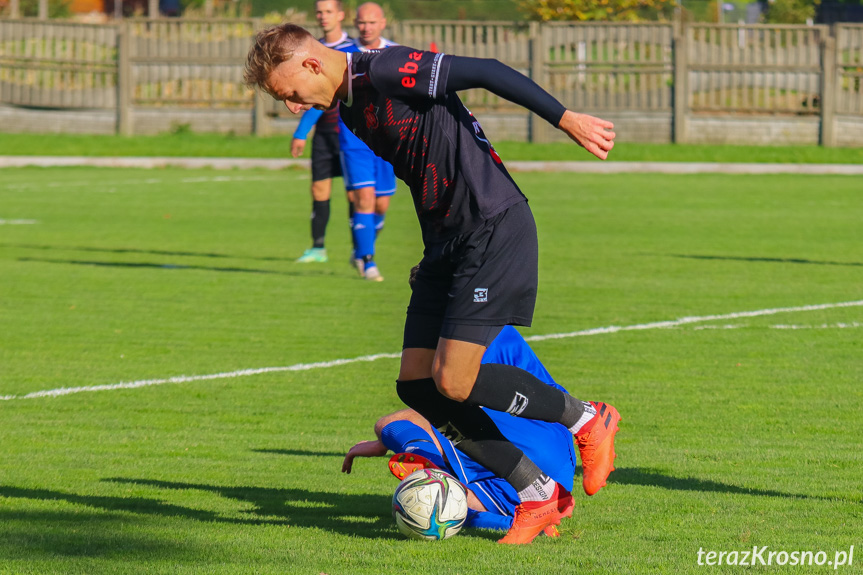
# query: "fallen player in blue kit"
491,500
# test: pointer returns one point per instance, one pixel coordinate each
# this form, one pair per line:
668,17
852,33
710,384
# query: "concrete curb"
515,166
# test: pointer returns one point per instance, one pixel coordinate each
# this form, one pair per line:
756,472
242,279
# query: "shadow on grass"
338,454
349,514
27,535
767,260
149,265
146,251
654,478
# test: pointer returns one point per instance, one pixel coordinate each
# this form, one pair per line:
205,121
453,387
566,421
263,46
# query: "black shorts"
469,287
325,156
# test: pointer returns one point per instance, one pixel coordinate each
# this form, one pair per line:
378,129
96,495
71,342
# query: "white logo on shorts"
480,295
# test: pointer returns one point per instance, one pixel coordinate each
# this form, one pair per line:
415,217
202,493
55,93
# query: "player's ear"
313,65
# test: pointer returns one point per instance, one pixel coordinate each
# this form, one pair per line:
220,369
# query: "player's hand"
593,134
297,147
363,449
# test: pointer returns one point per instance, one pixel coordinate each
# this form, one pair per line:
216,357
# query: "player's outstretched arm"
363,449
594,134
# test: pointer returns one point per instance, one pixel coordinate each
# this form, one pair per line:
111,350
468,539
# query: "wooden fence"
682,70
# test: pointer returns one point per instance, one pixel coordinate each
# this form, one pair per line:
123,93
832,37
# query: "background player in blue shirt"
480,261
491,499
371,177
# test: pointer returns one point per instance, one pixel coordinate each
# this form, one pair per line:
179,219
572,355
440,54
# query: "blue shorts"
361,168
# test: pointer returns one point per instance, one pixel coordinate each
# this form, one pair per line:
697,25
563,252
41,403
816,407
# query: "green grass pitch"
738,431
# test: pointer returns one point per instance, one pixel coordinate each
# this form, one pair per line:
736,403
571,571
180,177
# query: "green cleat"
313,255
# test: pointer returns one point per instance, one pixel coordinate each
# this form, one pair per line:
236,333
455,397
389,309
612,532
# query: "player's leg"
502,291
321,190
385,187
466,425
325,166
350,197
364,231
358,170
382,204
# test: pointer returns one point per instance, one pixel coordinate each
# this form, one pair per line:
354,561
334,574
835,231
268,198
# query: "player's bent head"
272,47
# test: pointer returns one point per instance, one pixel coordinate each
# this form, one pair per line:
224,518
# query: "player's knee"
383,422
451,385
364,200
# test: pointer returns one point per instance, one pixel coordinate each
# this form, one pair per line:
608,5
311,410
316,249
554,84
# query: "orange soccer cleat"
403,464
565,504
596,447
535,517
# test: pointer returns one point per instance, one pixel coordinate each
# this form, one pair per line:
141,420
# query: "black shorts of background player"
403,104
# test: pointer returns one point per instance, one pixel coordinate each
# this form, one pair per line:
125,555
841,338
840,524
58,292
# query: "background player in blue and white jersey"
326,162
369,180
479,270
492,501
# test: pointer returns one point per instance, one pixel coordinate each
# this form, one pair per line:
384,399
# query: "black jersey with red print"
399,106
328,122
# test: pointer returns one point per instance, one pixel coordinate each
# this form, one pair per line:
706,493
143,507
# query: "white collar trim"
350,101
337,42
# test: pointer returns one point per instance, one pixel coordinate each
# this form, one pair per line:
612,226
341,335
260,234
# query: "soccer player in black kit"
479,266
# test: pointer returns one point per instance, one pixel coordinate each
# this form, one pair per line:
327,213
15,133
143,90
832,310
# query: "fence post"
124,80
536,127
681,85
828,91
260,127
14,9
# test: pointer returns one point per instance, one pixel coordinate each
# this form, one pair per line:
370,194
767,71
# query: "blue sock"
487,520
403,436
364,234
379,223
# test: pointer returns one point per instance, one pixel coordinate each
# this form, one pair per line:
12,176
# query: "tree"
791,11
597,10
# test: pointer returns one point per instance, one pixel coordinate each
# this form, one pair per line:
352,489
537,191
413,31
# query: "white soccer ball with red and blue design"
430,504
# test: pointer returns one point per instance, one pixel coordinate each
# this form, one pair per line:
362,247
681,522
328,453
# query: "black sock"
320,218
471,430
520,393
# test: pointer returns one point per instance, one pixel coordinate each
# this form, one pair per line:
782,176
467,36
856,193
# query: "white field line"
584,167
367,358
137,182
698,319
18,222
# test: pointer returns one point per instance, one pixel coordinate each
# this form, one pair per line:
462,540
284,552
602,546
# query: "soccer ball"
430,504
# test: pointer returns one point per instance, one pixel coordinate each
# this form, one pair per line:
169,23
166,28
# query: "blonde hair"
272,46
